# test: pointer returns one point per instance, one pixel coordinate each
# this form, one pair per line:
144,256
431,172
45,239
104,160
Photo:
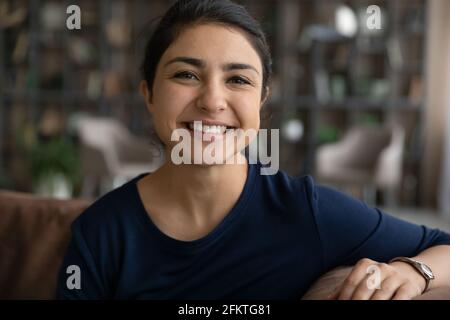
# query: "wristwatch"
420,267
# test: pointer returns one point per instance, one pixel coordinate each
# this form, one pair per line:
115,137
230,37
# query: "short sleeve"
79,255
351,230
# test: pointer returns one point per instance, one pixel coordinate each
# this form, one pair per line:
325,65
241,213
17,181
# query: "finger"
375,275
354,278
388,288
348,287
405,292
362,291
334,295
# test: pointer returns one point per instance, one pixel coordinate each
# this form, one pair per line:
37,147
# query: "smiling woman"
223,230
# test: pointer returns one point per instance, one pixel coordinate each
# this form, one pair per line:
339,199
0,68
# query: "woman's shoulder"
285,182
111,209
304,188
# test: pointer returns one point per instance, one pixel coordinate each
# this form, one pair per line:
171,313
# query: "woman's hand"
371,280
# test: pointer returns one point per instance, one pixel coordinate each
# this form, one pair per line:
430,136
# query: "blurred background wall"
361,106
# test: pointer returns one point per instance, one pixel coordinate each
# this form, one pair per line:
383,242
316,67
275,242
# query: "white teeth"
197,126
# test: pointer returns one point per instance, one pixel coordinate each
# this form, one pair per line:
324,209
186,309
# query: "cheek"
170,100
165,103
248,112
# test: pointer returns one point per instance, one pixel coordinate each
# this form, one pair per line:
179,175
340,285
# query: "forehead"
214,43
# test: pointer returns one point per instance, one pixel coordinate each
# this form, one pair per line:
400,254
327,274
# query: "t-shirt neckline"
189,246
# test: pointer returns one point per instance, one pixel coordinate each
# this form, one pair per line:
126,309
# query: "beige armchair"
111,155
366,157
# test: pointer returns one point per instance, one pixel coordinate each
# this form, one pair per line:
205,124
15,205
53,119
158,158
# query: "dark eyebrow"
238,66
192,61
201,64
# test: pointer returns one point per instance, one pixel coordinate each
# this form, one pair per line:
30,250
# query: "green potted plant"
54,165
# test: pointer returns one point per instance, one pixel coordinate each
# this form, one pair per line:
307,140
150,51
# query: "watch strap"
417,266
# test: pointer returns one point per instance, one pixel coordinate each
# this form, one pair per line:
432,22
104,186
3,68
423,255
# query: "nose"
212,97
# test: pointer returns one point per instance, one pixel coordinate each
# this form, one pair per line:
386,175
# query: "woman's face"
210,73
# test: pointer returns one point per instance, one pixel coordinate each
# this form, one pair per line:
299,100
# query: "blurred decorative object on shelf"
293,130
52,123
322,86
395,54
346,22
327,134
81,51
53,15
372,88
114,84
338,88
12,18
94,85
51,71
19,54
118,33
379,89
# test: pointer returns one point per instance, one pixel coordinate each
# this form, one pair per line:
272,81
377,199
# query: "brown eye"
239,80
186,75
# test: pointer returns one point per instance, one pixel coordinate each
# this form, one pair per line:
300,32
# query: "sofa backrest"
34,234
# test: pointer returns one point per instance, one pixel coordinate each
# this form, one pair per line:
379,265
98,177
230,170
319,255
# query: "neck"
204,192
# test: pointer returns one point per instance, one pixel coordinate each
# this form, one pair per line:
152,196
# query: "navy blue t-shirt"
281,235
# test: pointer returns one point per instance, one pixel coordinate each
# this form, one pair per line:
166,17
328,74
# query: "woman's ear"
266,96
145,92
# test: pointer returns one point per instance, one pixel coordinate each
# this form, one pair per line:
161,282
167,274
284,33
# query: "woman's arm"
438,259
326,285
354,234
370,280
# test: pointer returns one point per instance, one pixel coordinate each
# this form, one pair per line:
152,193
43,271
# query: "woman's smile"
208,130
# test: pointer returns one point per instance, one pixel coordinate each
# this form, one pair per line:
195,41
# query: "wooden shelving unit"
375,87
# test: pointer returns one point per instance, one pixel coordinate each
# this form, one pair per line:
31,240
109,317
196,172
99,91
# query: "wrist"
412,274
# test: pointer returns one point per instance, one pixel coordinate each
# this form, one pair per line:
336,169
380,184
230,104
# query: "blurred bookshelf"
324,80
333,80
49,73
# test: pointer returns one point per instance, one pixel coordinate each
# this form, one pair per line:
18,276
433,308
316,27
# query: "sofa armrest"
34,233
326,284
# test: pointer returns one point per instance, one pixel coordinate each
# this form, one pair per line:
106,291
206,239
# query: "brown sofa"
34,233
